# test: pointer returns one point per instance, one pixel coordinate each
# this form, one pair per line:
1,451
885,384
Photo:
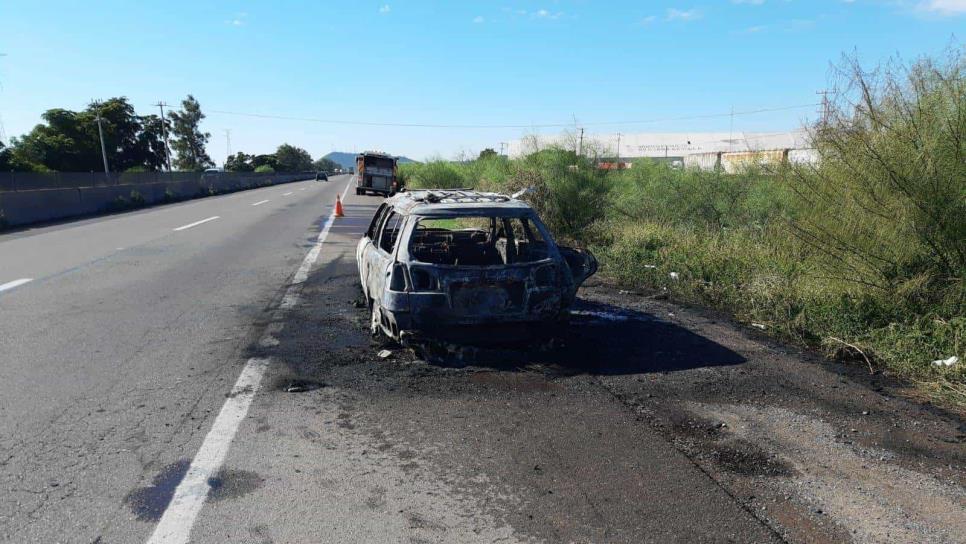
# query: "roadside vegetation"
862,255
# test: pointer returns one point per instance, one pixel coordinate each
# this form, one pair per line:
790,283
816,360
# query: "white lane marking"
190,495
286,194
15,283
196,223
260,202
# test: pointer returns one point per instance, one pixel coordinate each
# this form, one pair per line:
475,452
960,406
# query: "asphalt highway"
118,353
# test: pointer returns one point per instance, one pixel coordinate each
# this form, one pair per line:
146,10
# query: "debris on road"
302,386
758,326
384,353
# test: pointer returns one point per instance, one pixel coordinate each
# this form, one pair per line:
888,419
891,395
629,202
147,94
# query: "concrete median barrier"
19,208
26,207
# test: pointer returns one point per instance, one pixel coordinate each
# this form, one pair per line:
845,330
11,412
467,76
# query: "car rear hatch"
472,295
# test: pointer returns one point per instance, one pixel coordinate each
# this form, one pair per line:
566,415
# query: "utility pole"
618,150
164,134
228,141
731,131
580,143
502,146
100,133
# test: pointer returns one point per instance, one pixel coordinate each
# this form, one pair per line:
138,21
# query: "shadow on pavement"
600,339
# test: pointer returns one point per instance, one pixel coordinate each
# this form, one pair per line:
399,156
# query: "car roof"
456,202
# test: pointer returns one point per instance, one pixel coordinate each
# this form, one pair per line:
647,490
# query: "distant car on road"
456,263
376,173
321,176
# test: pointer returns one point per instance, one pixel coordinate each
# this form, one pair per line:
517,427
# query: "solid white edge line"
260,202
190,495
196,223
15,283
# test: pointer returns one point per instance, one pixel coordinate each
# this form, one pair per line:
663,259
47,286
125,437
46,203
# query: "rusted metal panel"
736,162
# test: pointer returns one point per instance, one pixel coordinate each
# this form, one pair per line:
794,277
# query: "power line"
532,125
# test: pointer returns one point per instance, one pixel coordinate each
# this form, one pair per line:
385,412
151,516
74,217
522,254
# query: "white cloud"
752,2
545,14
649,19
238,20
479,19
385,8
943,7
674,14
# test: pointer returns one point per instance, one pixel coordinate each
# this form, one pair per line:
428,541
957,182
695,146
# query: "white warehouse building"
706,150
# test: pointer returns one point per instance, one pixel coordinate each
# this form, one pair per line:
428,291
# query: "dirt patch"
857,487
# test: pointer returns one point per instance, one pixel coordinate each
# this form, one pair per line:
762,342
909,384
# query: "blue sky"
514,62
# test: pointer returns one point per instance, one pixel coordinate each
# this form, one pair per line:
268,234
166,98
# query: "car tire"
375,321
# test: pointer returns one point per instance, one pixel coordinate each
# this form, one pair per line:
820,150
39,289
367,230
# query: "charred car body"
443,262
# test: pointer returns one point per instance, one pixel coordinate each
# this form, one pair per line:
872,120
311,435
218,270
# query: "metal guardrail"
31,181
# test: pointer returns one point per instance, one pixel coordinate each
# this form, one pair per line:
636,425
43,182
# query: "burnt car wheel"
375,327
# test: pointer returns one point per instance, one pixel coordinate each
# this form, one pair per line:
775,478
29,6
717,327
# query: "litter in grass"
946,362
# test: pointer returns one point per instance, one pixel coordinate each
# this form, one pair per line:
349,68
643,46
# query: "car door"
379,260
367,245
582,264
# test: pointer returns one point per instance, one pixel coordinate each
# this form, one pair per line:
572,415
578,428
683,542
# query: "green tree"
239,162
69,140
487,153
887,202
292,159
325,165
188,139
265,160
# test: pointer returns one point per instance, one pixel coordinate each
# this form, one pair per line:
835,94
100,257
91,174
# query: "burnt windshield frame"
527,217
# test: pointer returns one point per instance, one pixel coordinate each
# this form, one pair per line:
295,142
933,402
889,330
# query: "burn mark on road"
230,484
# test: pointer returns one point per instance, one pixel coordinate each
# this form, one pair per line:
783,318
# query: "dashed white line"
196,223
260,202
190,495
286,194
15,283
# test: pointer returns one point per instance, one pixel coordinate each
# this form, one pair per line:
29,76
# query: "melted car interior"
477,241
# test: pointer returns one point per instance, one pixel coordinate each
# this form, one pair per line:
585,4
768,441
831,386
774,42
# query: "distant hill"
348,160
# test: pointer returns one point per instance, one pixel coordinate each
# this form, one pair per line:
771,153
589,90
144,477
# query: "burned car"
446,262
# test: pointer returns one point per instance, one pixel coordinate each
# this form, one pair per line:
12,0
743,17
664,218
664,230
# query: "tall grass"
862,256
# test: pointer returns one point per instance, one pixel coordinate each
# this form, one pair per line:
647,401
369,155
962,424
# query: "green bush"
264,169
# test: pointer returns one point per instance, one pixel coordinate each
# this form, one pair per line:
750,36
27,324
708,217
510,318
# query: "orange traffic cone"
338,206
